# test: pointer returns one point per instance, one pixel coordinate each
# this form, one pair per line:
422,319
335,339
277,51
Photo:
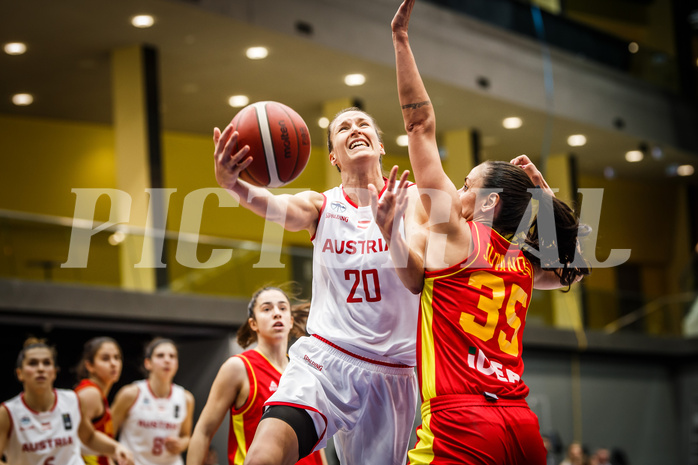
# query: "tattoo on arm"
414,106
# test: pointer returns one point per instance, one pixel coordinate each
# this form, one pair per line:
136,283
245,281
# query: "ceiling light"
117,238
238,101
353,80
634,156
685,170
577,140
142,21
15,48
402,140
512,122
633,47
323,122
22,100
257,53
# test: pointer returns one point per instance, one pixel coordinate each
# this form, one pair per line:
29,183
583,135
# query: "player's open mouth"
358,143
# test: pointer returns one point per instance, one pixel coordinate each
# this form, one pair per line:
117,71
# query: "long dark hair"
515,191
246,336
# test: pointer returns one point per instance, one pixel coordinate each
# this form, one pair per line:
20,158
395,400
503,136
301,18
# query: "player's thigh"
274,442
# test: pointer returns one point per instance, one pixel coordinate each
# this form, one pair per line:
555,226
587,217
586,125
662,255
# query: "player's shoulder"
129,392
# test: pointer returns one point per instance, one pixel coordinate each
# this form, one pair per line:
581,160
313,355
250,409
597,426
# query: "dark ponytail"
517,221
560,253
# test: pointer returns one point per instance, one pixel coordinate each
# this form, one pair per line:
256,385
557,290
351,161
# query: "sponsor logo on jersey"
67,422
477,360
176,411
273,387
25,424
334,216
338,207
45,426
312,363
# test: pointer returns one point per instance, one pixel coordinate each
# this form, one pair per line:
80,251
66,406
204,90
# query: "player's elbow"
420,126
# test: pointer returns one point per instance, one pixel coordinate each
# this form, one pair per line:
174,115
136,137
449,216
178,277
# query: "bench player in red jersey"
245,381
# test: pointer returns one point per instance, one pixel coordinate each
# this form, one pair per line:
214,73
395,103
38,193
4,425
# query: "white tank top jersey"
358,301
45,438
150,421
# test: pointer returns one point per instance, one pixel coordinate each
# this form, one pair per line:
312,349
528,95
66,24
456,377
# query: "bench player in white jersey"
353,378
43,425
154,416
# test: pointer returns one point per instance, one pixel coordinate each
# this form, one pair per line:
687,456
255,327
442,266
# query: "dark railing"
579,39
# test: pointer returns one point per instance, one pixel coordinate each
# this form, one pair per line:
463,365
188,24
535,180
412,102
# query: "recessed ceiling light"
685,170
512,122
577,140
634,156
257,53
633,47
142,21
354,80
22,100
238,101
402,140
323,122
15,48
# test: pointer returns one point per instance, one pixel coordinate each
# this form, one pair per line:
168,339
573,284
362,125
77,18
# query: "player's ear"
253,324
382,148
491,201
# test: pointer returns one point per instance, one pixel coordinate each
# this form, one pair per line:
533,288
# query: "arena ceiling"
202,63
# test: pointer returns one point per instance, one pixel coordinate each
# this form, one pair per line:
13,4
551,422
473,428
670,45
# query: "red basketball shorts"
468,429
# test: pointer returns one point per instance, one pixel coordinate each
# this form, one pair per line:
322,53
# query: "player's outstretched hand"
536,176
123,456
402,17
228,166
391,207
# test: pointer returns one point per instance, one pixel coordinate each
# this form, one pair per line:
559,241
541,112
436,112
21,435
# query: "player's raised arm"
420,124
294,212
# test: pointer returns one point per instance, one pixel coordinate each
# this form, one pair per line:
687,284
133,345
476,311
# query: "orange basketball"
279,143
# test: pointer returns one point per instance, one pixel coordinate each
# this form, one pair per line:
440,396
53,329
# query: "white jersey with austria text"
45,438
150,421
358,301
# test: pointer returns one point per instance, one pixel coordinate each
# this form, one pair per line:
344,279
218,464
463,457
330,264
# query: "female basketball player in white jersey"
98,370
246,381
354,377
43,425
154,416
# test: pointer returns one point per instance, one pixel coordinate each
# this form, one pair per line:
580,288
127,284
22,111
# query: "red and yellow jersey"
472,317
102,423
264,380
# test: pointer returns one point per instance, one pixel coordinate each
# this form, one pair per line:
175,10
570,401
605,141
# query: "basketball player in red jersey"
479,276
246,381
353,379
45,426
98,370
